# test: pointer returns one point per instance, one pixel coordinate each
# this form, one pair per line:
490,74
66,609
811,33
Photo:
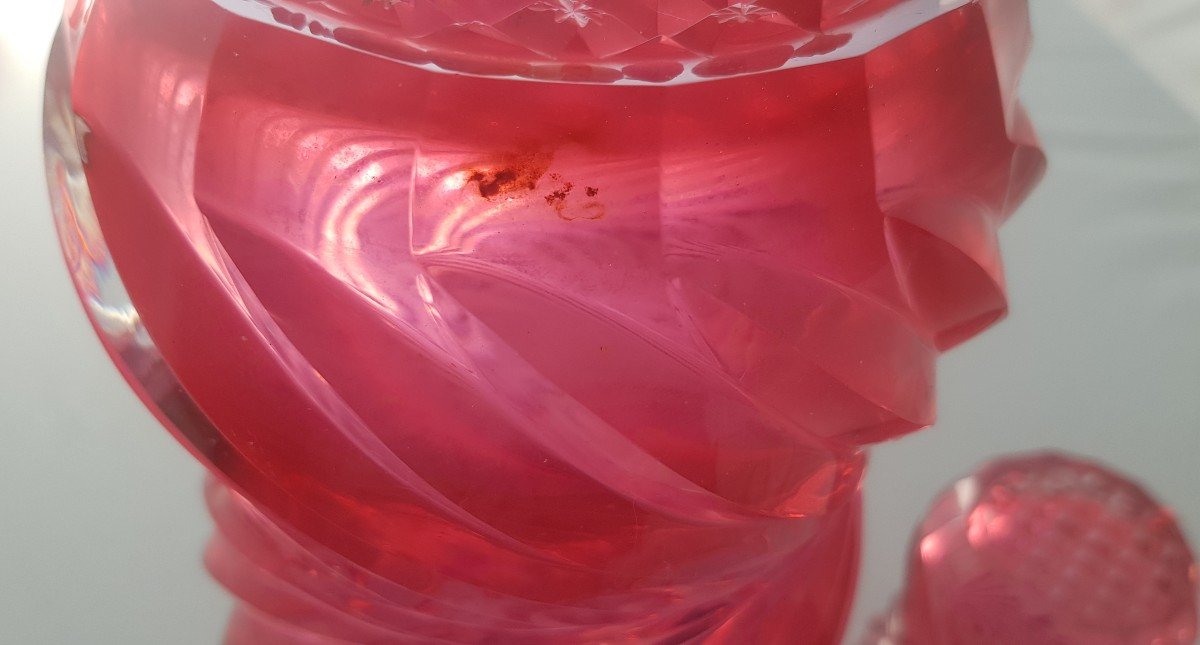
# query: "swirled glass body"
574,359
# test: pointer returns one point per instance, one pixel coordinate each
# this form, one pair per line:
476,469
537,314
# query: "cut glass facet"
575,343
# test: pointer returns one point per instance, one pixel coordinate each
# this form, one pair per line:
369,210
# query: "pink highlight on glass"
586,359
1045,550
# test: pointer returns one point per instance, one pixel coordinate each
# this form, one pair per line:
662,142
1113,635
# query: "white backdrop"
101,525
1163,35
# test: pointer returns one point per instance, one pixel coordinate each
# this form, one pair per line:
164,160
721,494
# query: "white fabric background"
101,525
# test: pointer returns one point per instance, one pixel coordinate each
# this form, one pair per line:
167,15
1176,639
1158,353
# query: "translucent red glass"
589,357
1046,550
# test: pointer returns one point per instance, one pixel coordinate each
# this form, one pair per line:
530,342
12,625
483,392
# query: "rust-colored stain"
559,197
569,209
511,173
590,210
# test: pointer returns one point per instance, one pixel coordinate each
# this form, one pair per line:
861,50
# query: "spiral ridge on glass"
476,359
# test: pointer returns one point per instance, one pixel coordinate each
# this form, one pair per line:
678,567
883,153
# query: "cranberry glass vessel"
1045,550
537,321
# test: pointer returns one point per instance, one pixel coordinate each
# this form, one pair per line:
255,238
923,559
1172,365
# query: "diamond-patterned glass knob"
1046,550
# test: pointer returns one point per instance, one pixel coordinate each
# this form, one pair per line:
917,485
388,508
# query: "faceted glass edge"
861,37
